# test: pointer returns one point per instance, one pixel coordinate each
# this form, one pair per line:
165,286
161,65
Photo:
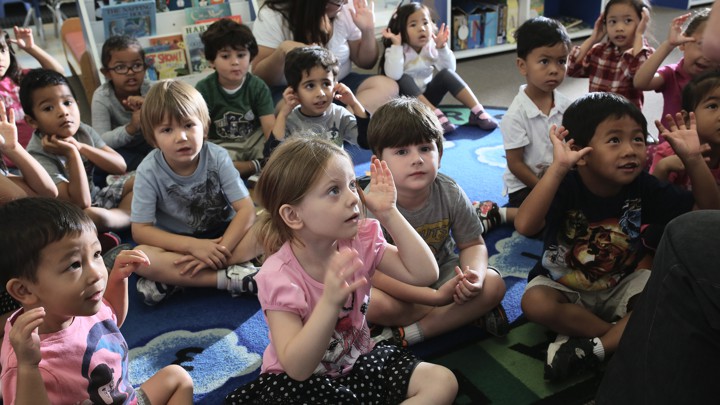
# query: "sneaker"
108,240
153,292
569,358
489,213
241,279
394,335
110,255
483,120
496,322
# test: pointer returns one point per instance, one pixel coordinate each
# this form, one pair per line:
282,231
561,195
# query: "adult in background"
349,32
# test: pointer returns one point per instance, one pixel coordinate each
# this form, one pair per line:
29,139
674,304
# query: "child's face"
71,280
231,66
316,91
55,110
707,117
544,68
330,210
419,29
414,167
618,156
695,62
620,22
4,56
180,143
128,83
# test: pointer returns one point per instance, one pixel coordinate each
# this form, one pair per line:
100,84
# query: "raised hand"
442,36
8,129
24,336
344,94
683,138
676,36
598,32
382,195
291,100
128,261
396,39
23,38
364,15
644,21
210,252
564,154
339,274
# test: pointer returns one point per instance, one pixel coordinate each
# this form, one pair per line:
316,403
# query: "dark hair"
398,25
304,18
698,88
538,32
30,224
119,43
583,116
403,121
13,71
302,60
228,33
637,5
696,20
39,79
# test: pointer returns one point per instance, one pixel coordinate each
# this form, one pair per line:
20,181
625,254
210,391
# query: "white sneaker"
553,347
241,279
153,292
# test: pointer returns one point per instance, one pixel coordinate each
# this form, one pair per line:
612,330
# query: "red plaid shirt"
609,69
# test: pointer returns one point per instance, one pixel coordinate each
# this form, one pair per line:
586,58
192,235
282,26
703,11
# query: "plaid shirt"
609,69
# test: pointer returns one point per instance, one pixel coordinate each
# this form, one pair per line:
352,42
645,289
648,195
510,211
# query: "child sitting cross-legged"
407,135
64,345
191,211
592,202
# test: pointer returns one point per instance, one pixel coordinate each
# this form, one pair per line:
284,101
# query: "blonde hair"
292,170
172,99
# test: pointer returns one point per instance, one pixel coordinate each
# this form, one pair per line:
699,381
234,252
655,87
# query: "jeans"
670,349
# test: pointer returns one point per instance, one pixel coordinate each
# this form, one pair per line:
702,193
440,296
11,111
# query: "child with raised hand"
116,104
191,212
700,97
413,50
70,150
592,202
11,75
611,64
309,110
314,289
67,332
240,105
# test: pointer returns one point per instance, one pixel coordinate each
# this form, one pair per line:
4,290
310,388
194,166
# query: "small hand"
291,100
396,39
24,336
210,252
676,36
470,286
382,195
56,145
598,32
446,293
364,15
192,265
128,261
344,94
8,129
563,153
683,139
24,38
134,103
442,36
339,276
644,21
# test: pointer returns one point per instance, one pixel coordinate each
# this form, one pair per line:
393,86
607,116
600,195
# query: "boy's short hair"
302,60
119,43
698,88
39,79
30,225
537,32
583,116
172,99
403,121
228,33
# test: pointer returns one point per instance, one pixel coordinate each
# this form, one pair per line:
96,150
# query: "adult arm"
711,37
364,52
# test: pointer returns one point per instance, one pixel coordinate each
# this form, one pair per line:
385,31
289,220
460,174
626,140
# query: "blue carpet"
220,340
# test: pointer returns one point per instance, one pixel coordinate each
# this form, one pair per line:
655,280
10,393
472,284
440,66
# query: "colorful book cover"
178,4
203,3
136,19
166,64
173,41
194,48
237,18
194,14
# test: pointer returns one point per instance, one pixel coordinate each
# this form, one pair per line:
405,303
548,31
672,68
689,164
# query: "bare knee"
433,384
495,285
538,303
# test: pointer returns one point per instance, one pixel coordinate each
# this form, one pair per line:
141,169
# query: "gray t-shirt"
109,117
336,125
196,204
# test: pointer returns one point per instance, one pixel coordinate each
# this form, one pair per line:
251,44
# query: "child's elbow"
525,227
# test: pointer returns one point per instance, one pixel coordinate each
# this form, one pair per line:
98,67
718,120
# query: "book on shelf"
237,18
172,41
194,49
194,14
165,63
568,21
177,4
135,19
203,3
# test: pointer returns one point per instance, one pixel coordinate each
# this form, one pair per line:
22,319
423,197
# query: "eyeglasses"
123,69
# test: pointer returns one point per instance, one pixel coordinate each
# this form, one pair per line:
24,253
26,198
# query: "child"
70,150
35,181
190,209
313,286
308,110
611,65
116,104
589,276
413,50
240,105
702,96
11,74
407,135
542,50
67,333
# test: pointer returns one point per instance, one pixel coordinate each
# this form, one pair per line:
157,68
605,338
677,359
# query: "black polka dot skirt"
379,377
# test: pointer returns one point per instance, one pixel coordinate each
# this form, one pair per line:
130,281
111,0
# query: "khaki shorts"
245,151
610,304
142,398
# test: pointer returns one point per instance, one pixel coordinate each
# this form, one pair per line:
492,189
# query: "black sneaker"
496,322
571,357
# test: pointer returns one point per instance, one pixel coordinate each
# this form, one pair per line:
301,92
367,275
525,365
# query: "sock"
503,213
441,116
413,334
598,349
222,280
477,109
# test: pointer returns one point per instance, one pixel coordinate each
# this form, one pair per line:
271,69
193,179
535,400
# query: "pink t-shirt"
10,95
675,80
85,363
283,285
